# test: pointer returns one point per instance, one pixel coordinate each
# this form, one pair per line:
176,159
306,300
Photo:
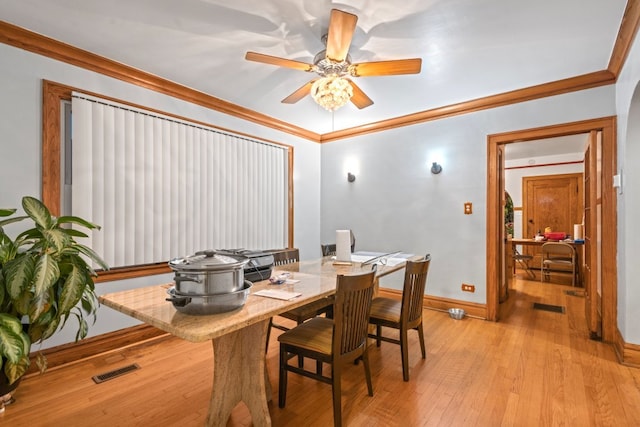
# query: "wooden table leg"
239,375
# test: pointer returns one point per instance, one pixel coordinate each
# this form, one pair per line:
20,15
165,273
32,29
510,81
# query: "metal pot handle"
179,301
179,279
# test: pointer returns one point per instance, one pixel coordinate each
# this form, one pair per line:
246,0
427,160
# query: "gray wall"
628,110
397,204
21,77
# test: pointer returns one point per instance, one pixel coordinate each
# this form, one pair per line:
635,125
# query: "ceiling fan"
334,87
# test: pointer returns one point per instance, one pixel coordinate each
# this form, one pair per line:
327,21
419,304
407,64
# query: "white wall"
21,77
397,204
628,110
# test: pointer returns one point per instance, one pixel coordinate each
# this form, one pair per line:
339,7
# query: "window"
161,186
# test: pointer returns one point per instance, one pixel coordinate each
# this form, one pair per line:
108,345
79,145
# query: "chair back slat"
329,249
285,256
351,312
415,279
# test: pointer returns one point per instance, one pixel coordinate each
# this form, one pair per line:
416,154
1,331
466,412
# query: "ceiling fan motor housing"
327,67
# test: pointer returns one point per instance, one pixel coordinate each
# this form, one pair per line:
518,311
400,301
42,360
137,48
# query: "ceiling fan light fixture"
331,92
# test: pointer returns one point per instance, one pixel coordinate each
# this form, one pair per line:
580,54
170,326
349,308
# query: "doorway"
550,201
495,216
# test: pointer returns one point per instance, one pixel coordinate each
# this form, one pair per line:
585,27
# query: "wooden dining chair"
558,254
404,314
339,341
305,312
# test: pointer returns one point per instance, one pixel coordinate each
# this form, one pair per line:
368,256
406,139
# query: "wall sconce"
436,168
350,177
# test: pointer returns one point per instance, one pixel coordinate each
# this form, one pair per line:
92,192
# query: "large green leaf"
11,220
77,220
57,238
13,371
46,274
72,290
40,305
18,274
7,212
91,254
38,212
74,233
14,344
48,329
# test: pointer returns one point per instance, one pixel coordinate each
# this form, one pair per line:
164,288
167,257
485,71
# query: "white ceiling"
470,48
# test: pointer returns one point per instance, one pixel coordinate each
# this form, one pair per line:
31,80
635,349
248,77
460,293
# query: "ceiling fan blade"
299,93
341,28
359,98
386,68
280,62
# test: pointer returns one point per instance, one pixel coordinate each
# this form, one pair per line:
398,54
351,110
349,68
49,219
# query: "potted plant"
45,279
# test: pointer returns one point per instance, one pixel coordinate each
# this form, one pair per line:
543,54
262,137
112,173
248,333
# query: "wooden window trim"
52,96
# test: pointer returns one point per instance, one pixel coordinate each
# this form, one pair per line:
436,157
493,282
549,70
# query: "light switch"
468,208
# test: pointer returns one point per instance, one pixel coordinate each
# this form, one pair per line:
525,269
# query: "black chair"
329,249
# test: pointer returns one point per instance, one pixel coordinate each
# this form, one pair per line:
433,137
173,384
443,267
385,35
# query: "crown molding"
24,39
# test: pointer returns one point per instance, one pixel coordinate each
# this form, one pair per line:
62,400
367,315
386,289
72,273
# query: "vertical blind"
163,188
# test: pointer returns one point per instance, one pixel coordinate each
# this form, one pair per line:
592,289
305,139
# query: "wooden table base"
239,375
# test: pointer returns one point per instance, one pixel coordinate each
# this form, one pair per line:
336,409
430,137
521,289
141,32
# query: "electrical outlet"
468,288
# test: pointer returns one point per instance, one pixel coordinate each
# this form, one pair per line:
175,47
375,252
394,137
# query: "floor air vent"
115,373
548,307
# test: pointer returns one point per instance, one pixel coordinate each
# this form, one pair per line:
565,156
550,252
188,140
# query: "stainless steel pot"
209,304
208,273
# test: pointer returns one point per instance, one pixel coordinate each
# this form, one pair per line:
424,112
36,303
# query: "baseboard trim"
442,304
67,354
628,354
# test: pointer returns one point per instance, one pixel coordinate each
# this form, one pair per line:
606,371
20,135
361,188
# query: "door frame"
607,125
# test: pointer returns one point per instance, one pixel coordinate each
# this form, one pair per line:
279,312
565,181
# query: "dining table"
577,246
239,337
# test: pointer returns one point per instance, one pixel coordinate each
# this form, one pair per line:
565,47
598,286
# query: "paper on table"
390,258
278,294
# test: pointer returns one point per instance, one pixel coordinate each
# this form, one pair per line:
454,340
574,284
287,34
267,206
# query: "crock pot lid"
208,260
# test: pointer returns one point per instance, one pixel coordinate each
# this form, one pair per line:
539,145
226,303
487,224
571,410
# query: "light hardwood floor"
534,368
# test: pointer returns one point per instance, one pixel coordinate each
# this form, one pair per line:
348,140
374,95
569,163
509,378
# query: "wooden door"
550,201
592,234
505,273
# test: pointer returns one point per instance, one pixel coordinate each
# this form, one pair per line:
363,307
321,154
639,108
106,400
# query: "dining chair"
523,260
339,341
305,312
329,249
558,254
403,314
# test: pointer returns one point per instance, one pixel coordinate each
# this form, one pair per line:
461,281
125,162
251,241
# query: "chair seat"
386,309
315,335
307,311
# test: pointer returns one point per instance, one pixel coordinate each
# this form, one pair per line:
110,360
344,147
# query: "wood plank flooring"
533,368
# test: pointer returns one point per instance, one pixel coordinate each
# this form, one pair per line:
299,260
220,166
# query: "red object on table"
556,235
